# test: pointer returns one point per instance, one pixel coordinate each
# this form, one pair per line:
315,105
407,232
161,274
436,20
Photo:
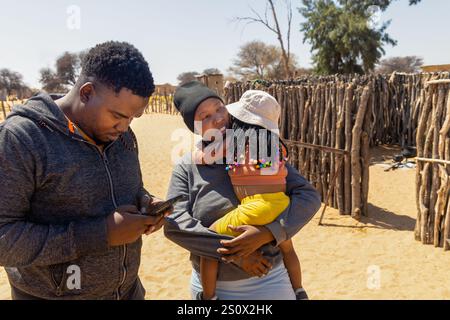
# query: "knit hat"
188,97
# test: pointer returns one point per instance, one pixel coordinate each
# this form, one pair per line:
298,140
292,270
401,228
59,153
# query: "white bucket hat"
258,108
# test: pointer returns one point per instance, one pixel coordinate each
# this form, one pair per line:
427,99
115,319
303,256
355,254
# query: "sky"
177,36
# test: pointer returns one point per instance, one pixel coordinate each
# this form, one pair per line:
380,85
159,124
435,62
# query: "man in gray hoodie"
71,190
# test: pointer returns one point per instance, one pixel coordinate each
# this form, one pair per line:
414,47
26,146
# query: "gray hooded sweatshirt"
56,190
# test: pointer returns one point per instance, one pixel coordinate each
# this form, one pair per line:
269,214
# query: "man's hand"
147,203
251,239
126,225
255,264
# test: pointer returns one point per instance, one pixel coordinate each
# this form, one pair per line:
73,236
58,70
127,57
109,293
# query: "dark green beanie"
188,97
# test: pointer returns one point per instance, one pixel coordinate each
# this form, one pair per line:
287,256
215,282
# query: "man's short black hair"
119,65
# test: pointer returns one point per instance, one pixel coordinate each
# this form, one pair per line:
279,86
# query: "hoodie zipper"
124,256
108,172
45,125
113,197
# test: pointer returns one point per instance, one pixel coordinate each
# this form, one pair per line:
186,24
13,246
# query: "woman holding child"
239,215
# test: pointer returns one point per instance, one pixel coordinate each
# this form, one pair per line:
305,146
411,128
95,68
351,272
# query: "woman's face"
211,114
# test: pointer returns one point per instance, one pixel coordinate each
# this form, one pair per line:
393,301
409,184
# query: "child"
260,185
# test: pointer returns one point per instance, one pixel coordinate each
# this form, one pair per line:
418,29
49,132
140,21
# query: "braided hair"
242,130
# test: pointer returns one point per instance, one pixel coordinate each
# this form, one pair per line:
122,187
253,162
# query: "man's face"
108,114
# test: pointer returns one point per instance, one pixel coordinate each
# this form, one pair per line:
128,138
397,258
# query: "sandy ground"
376,258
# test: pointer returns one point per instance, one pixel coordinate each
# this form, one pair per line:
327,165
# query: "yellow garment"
257,210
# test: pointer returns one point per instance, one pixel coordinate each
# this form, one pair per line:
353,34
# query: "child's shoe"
199,296
300,294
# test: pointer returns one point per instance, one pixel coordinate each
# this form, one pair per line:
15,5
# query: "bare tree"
11,83
187,77
50,81
253,60
210,71
274,26
257,60
409,64
68,68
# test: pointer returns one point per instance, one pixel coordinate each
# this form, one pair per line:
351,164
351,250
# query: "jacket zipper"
111,186
124,256
124,268
59,287
105,163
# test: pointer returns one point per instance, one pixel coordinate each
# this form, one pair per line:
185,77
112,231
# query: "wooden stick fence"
329,124
162,103
7,106
349,113
3,109
433,168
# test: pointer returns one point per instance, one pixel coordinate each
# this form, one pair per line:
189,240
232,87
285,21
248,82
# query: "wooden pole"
424,202
333,183
437,114
442,81
356,154
365,163
3,109
317,147
420,142
348,145
437,161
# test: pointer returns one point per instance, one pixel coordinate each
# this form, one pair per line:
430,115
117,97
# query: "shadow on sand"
379,218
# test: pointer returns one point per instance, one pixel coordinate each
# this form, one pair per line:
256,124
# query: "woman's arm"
182,228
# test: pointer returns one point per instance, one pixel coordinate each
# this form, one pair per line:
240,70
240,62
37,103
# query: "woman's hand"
251,239
255,264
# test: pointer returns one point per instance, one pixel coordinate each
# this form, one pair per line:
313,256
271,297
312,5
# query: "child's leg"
208,274
254,210
292,264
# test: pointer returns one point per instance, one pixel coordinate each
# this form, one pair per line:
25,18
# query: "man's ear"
87,91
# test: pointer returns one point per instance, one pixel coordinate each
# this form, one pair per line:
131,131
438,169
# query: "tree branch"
258,19
289,9
275,28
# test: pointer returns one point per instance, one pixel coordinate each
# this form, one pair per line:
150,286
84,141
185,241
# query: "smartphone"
164,206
